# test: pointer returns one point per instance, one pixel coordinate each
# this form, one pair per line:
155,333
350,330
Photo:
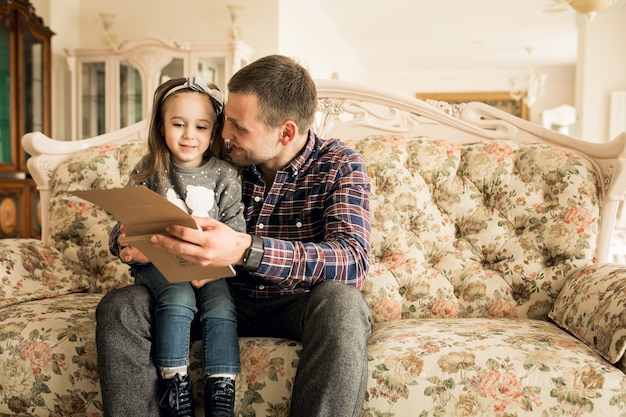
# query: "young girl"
183,165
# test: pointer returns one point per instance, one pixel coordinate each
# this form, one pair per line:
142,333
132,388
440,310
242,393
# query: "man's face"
251,141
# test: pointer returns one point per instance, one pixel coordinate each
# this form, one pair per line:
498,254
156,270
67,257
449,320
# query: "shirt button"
261,287
257,199
260,226
299,225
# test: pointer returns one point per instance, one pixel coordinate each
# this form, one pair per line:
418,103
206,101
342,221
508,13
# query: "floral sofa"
489,286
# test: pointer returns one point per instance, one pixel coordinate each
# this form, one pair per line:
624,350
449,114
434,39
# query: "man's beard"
243,162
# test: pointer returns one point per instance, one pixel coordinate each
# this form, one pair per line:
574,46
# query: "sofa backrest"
486,229
475,214
79,229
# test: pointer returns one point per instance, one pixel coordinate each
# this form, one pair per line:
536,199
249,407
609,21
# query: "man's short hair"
284,88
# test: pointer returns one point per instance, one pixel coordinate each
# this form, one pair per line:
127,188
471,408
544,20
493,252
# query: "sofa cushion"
48,360
79,229
32,270
487,367
592,306
489,229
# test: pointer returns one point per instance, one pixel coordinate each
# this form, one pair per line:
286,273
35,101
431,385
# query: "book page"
145,213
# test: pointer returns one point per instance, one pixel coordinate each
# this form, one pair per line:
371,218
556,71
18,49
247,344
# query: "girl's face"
188,119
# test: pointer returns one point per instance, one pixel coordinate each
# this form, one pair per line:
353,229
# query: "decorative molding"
497,99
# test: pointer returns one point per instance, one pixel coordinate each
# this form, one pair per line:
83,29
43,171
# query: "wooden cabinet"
25,103
20,215
114,87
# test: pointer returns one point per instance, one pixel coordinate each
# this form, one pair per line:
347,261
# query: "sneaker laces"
222,395
179,397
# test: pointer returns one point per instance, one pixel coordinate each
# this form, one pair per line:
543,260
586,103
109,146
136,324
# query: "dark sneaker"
219,397
178,398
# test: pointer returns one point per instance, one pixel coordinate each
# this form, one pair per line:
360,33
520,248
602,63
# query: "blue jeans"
174,312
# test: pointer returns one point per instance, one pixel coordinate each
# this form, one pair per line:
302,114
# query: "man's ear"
288,132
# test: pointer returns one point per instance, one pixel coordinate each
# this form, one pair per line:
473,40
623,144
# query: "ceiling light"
589,7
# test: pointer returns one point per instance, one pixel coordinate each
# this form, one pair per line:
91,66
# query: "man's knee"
341,303
126,303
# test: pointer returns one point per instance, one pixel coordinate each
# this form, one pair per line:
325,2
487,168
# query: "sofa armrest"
32,270
592,307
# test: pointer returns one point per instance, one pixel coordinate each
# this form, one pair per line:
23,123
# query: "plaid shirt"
314,221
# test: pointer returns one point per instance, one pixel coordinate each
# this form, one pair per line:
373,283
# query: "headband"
195,83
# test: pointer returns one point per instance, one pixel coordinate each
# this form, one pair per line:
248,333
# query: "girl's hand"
130,253
197,283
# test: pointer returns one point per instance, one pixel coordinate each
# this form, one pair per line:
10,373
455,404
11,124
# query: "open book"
145,213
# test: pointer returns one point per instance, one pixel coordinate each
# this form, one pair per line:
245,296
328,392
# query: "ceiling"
451,34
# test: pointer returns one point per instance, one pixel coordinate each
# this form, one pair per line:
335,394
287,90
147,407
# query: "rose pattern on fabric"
592,306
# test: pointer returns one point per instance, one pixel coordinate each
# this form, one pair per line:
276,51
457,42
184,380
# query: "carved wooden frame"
499,99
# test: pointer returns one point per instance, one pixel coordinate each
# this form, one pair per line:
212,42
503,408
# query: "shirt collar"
301,161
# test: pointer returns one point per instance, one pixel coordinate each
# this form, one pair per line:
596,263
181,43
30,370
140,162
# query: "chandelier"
589,7
530,87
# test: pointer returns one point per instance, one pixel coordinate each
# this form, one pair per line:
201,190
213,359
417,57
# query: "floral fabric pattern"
474,248
48,360
80,230
490,229
592,307
31,270
487,367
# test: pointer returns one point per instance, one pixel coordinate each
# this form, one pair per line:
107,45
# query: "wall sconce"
235,12
528,88
107,22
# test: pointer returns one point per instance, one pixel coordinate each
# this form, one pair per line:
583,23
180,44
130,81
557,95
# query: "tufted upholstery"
80,230
479,230
464,239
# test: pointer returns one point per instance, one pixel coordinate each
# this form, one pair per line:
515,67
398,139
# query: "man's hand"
216,244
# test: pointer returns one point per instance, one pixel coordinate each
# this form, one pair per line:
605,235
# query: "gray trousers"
332,321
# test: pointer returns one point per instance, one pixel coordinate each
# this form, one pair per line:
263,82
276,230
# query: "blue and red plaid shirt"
314,221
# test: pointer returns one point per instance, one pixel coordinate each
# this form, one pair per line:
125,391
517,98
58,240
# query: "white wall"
559,85
601,69
315,41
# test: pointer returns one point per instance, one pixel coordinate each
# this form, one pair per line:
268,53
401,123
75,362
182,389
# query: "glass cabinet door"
25,95
212,71
32,88
93,99
131,103
175,69
32,105
5,98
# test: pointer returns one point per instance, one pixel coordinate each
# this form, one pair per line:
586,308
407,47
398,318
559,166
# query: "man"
300,267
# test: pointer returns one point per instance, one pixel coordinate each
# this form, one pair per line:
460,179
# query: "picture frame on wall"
499,99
